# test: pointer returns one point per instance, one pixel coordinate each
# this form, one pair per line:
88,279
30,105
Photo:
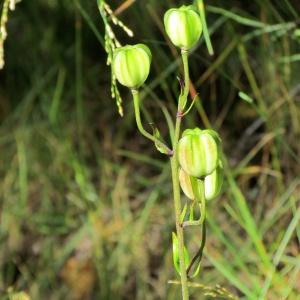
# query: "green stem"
175,178
202,204
177,206
203,201
201,221
198,255
136,101
184,96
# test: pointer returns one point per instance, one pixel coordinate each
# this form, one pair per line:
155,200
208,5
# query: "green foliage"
100,206
175,247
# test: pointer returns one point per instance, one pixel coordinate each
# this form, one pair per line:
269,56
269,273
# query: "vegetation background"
85,201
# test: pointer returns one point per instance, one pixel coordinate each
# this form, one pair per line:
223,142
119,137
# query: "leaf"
196,272
245,97
157,135
176,261
175,252
201,8
183,213
181,82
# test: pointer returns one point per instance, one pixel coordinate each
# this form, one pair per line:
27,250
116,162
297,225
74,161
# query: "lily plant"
195,154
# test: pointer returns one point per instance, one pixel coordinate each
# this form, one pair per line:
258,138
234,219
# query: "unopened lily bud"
183,26
213,183
131,65
198,152
190,185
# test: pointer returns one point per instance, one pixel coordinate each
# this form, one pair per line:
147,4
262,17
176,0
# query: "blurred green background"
86,207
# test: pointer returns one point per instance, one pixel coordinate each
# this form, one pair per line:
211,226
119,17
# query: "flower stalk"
194,157
175,177
136,101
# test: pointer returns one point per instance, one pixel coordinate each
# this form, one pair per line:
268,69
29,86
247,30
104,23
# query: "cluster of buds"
131,63
198,151
199,159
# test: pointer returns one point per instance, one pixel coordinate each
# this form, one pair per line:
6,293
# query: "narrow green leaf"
175,252
176,261
201,9
183,213
245,97
157,135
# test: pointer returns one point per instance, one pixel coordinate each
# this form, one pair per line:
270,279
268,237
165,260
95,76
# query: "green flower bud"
192,187
213,183
183,26
198,152
131,65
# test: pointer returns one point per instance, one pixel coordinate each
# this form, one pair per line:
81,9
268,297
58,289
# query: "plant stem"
136,100
177,206
183,98
202,204
175,178
198,256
